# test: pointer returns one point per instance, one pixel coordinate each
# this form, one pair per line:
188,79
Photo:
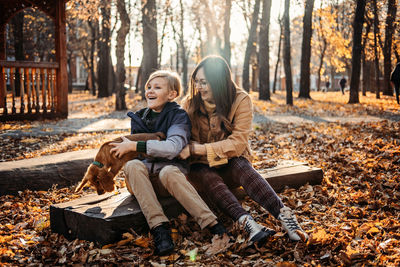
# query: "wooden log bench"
63,169
103,219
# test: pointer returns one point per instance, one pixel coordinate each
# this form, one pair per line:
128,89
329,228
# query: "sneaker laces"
291,225
289,218
250,226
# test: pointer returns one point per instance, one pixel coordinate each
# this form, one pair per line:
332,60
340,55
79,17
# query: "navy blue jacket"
174,122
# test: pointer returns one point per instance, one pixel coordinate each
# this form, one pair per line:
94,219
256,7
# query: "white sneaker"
290,224
257,233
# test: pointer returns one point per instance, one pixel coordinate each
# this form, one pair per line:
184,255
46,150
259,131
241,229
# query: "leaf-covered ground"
353,217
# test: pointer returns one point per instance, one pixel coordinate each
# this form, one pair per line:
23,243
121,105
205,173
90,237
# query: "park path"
85,117
118,121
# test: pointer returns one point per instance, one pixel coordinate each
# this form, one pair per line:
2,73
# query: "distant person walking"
395,78
342,84
327,84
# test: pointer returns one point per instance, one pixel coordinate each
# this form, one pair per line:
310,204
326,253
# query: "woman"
221,116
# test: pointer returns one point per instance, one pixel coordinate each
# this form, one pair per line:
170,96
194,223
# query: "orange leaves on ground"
352,218
320,237
143,242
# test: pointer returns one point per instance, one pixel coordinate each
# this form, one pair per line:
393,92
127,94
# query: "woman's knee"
205,176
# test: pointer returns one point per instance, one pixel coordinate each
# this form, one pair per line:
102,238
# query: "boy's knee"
134,166
170,174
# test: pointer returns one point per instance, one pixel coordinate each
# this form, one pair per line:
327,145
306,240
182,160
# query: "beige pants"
171,182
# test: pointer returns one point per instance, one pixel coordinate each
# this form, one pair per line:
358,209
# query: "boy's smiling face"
157,94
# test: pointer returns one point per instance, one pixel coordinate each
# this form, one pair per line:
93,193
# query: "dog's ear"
89,177
84,181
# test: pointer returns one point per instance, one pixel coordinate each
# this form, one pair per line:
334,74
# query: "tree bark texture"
250,47
94,28
227,32
304,91
18,27
321,62
376,60
123,31
286,54
150,45
278,57
184,55
357,50
263,56
104,52
387,49
365,63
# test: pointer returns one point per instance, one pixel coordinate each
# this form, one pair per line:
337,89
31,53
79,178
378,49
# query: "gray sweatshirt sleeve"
177,139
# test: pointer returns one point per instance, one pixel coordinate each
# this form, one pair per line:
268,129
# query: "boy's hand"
185,153
124,147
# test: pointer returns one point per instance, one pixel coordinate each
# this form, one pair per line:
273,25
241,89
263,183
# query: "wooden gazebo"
43,85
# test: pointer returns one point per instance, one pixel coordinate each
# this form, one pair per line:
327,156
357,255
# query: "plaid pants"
215,184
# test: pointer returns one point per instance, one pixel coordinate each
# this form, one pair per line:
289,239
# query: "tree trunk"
123,31
150,45
163,34
387,49
104,51
94,30
138,80
69,73
356,53
365,65
250,47
304,91
183,51
364,73
321,62
279,55
264,92
18,26
227,32
286,54
376,60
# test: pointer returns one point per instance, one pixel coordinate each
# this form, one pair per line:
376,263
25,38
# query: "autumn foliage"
352,217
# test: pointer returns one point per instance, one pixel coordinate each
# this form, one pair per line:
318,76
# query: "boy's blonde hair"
173,80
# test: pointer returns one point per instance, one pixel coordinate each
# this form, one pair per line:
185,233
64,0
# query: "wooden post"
2,57
21,82
37,90
12,83
61,57
43,84
3,86
28,89
52,79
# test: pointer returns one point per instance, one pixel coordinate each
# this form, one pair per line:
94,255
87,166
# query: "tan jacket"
206,129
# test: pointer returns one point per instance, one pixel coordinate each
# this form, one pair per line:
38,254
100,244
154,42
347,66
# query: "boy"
163,115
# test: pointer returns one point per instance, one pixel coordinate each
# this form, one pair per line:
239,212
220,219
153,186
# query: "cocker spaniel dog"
106,166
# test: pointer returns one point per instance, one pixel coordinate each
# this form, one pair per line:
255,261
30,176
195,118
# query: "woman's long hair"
219,78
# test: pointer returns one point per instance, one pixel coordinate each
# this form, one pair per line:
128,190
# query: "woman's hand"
124,147
185,153
199,150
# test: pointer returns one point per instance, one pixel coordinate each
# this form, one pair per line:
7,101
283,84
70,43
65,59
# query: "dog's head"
99,177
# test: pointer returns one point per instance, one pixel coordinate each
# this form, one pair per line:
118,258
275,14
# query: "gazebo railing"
28,90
